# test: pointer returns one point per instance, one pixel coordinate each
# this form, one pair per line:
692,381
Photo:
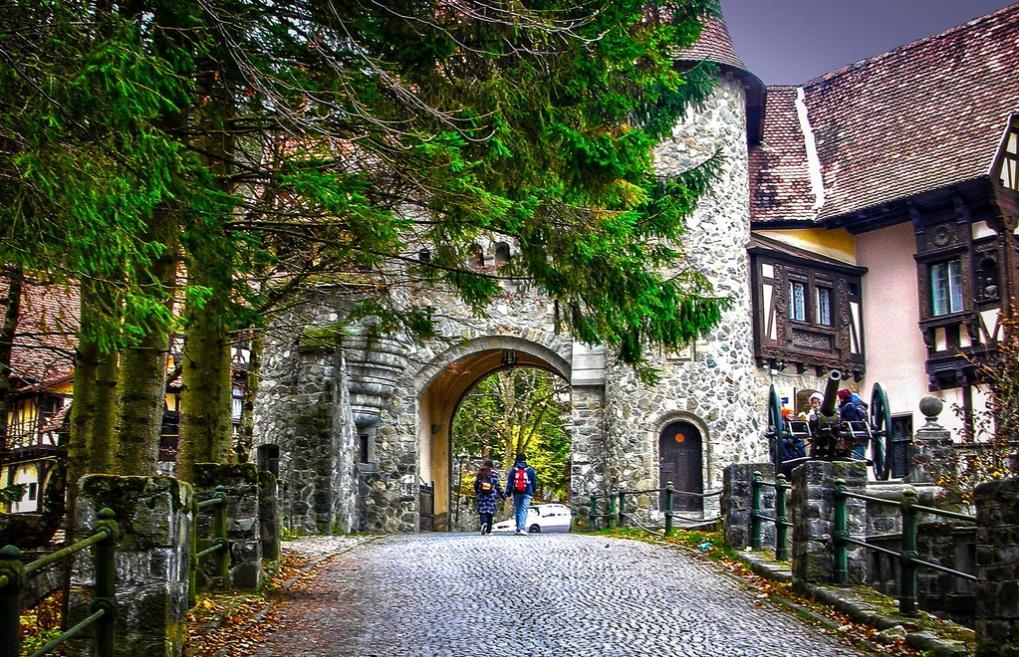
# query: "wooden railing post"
220,536
612,509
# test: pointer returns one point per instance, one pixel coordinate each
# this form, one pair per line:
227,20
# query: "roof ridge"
970,24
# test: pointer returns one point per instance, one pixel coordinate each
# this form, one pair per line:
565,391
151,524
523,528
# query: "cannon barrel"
831,394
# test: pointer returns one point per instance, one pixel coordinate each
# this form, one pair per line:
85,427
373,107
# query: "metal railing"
615,508
13,575
219,542
781,520
908,559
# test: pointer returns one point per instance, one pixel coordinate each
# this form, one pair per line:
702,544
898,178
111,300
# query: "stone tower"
707,392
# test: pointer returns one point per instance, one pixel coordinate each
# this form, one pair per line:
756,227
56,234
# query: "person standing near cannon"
852,409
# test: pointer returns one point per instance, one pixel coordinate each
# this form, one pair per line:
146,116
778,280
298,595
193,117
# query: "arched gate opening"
456,373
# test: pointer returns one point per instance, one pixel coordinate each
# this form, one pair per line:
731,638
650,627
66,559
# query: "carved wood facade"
975,247
791,328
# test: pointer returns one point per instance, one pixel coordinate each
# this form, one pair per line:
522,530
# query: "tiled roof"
714,45
918,118
45,339
780,180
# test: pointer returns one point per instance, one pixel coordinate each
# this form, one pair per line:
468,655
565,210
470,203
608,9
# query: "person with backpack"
521,482
487,489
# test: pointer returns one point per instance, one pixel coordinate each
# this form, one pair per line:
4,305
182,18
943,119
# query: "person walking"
487,490
521,482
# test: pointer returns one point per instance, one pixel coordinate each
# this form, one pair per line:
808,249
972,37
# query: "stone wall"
997,587
152,562
813,517
240,484
304,407
737,504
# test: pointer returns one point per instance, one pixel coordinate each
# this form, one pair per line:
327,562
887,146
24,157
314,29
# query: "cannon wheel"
775,428
881,426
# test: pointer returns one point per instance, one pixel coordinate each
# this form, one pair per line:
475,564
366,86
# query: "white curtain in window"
823,298
797,302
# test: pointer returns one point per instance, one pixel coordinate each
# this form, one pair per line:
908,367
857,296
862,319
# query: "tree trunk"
205,403
141,384
207,386
12,310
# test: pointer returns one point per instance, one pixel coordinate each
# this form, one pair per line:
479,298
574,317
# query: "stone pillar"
588,474
241,484
152,560
932,443
269,527
737,503
997,587
813,518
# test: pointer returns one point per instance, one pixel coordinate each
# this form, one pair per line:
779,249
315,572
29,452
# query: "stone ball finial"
931,407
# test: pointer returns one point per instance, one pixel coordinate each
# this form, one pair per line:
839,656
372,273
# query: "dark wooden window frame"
844,285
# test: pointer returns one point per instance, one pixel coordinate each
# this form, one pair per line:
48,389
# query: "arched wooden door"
679,458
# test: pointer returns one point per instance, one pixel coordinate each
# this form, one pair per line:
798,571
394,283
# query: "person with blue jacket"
522,482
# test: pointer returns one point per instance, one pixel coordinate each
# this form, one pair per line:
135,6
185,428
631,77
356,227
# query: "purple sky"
792,41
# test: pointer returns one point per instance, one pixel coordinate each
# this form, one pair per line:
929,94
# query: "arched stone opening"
444,384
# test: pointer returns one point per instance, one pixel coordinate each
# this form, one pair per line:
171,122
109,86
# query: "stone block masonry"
813,518
152,561
737,504
240,481
997,588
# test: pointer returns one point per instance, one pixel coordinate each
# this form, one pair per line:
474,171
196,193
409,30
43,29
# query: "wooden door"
679,458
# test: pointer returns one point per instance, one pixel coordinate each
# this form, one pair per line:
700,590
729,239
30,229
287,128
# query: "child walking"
488,490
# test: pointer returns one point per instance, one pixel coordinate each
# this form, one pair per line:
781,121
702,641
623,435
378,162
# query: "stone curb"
860,610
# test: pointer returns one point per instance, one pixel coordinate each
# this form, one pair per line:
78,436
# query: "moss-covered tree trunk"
141,382
205,426
205,422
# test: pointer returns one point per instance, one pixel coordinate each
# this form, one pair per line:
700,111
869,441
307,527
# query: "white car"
541,518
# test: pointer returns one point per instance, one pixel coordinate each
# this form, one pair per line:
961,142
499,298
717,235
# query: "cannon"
830,437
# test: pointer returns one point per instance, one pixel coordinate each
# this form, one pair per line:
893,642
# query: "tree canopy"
257,147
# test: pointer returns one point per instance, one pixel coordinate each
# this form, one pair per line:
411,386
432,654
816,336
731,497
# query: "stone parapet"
737,503
813,517
269,527
152,562
240,483
997,586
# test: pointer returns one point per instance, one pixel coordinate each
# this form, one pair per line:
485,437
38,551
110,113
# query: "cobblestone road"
550,596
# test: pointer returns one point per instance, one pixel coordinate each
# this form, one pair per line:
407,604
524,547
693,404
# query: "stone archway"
444,383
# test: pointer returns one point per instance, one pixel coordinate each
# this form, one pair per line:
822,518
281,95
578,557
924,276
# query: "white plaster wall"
894,347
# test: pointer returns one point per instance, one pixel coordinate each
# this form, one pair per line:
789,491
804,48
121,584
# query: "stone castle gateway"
856,224
359,426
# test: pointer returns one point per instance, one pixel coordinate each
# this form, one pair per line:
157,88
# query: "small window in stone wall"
362,452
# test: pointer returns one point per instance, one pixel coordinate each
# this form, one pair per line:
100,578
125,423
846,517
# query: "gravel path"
549,595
